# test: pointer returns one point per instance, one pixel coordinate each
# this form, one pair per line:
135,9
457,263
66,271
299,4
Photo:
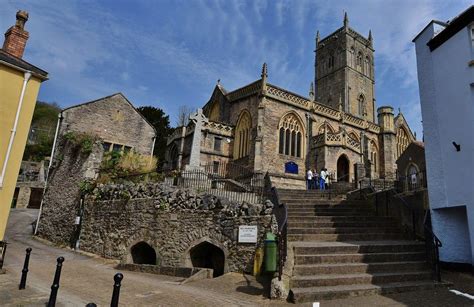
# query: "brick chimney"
16,36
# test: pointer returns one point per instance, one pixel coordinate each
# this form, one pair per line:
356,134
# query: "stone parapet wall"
172,222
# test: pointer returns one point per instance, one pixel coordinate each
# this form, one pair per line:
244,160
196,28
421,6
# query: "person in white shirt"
322,179
309,179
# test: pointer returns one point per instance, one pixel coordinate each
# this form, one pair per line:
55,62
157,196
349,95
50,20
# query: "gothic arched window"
402,141
173,157
214,112
373,155
360,105
290,136
359,60
367,66
331,62
242,135
352,57
325,126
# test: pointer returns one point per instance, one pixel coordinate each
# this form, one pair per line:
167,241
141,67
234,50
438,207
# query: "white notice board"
248,234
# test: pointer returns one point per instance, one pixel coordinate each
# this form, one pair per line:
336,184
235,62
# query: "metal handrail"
280,211
342,177
433,243
406,183
412,211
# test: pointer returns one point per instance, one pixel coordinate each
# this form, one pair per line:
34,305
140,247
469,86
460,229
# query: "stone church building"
269,129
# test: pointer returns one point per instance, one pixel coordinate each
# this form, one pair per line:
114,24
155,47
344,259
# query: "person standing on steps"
309,179
315,179
327,180
322,179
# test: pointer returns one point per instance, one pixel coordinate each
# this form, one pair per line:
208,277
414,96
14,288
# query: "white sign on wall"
248,234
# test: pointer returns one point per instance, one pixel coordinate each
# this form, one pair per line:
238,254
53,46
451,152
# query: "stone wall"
170,220
62,194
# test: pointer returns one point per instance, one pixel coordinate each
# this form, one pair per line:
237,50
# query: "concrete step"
347,237
313,195
359,258
295,224
327,204
328,208
363,247
339,218
342,230
360,278
351,268
311,199
336,211
333,213
301,295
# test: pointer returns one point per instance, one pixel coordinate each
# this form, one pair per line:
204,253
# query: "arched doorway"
343,168
207,255
142,253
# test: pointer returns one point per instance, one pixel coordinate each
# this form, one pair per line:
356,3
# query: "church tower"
344,72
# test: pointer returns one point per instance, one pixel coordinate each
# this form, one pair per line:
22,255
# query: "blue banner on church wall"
291,167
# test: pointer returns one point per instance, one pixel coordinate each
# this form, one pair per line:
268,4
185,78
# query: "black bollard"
91,305
116,294
24,272
55,286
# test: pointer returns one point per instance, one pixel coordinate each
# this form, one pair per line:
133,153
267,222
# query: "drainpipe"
27,76
60,117
152,149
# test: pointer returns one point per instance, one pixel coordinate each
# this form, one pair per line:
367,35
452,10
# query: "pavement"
86,279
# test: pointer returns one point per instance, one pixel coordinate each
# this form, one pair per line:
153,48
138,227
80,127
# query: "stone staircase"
341,248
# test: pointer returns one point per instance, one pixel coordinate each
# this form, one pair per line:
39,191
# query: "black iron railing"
432,247
281,214
432,243
413,211
228,180
379,184
412,182
3,250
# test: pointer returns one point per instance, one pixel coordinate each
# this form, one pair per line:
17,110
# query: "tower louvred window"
290,136
360,107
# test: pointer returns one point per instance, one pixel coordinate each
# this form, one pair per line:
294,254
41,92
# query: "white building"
445,62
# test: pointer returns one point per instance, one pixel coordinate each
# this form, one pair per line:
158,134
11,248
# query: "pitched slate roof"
106,97
22,64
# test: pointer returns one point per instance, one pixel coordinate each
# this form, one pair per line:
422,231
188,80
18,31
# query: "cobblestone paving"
89,279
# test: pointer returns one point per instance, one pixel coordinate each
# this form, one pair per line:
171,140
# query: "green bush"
83,142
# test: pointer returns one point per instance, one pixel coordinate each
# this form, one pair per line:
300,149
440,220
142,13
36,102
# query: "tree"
161,122
183,115
41,135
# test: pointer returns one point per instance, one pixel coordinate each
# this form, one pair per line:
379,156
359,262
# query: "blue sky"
171,53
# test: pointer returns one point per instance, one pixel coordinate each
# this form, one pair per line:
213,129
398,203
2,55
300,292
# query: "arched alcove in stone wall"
206,253
143,253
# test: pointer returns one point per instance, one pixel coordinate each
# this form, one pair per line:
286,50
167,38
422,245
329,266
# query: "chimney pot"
21,19
16,36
